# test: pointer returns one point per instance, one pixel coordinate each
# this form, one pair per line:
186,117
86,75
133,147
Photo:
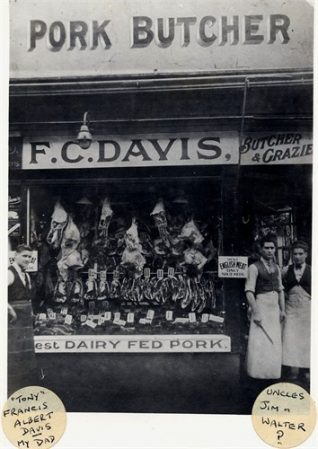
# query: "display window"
14,213
128,257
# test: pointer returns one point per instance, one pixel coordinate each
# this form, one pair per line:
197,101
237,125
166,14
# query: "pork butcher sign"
132,151
157,37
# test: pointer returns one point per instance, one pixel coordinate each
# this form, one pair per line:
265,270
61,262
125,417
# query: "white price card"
68,319
83,318
103,275
216,318
130,318
120,322
147,273
64,311
42,316
143,321
169,315
91,274
90,323
116,316
101,320
108,316
150,314
181,320
192,317
205,318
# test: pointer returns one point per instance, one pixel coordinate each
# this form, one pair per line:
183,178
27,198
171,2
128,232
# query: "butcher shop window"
135,256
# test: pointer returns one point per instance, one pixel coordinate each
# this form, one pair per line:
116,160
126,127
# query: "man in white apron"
296,335
265,296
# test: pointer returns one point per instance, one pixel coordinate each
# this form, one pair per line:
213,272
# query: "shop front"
127,259
142,196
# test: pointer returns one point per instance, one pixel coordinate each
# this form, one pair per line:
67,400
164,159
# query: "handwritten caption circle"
33,417
284,415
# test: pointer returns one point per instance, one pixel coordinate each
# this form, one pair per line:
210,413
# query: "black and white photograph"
159,202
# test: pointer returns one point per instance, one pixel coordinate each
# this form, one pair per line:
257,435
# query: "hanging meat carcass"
191,232
195,259
132,258
104,221
71,237
59,221
70,257
160,218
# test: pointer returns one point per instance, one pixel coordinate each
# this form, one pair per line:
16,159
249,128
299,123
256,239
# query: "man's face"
299,256
23,259
268,250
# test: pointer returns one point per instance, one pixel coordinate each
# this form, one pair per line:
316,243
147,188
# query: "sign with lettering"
157,37
213,148
232,267
133,343
277,148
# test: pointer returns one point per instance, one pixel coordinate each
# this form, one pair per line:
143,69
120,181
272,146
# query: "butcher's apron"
22,368
296,335
264,357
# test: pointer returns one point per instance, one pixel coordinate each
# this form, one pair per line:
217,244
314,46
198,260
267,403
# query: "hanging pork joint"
132,257
160,218
70,257
104,221
59,221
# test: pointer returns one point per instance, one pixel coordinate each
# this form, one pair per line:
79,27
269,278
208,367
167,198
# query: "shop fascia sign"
150,37
282,148
162,150
186,149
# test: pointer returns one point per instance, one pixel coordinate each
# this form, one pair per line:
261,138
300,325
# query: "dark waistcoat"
266,282
305,282
18,291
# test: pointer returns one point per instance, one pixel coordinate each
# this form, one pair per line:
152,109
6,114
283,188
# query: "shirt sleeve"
250,282
10,277
280,284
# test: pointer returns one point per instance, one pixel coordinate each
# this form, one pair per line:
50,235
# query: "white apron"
296,335
264,358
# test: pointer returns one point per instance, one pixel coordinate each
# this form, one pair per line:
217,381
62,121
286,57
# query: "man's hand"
249,313
282,315
12,314
256,316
